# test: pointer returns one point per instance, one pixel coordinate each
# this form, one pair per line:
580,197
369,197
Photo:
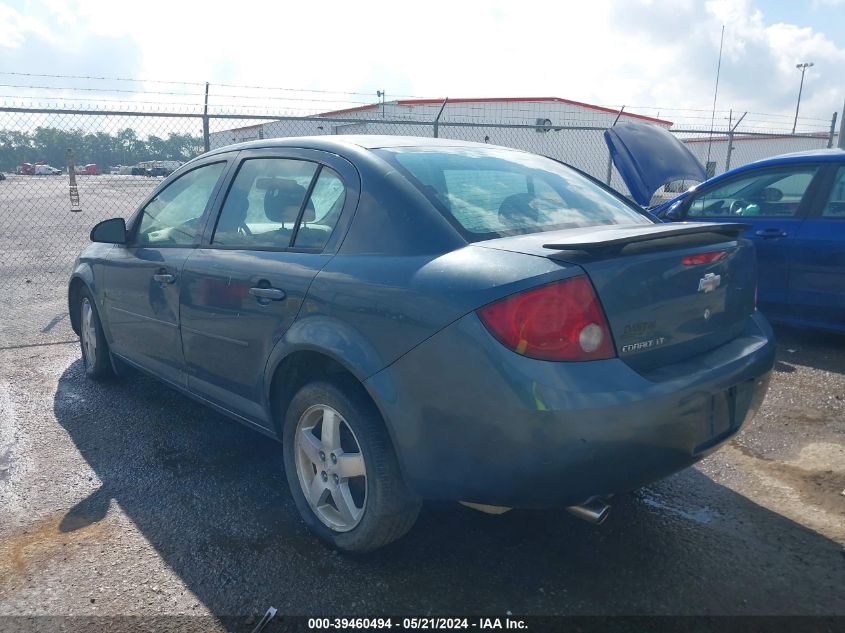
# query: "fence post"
730,150
841,143
832,130
206,141
731,130
437,119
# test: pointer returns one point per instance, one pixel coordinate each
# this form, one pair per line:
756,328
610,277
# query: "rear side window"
489,192
264,202
268,205
835,206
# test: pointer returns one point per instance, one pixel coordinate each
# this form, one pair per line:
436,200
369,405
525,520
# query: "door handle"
771,233
267,294
164,278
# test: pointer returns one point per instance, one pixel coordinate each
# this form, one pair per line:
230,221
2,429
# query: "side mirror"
674,214
110,231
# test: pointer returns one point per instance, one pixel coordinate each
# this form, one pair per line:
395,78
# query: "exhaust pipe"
595,511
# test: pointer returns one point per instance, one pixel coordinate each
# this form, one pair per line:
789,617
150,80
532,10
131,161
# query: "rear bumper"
474,421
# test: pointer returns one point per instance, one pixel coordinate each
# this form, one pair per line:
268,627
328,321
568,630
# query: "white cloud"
15,27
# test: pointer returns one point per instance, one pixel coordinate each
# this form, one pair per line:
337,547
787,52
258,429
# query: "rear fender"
327,336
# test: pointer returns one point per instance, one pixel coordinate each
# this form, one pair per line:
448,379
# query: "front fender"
82,275
87,271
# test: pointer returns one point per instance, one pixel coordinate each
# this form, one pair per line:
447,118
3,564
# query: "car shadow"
809,348
210,496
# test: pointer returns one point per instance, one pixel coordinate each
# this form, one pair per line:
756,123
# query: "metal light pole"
803,68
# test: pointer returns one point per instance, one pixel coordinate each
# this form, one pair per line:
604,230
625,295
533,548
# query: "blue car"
428,319
794,206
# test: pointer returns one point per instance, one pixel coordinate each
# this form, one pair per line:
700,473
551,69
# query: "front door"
143,278
772,201
244,288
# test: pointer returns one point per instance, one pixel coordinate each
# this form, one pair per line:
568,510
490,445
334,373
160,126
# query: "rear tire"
342,469
92,340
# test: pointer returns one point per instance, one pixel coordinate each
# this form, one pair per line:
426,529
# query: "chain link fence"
121,156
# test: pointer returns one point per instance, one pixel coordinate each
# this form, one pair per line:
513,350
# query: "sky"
654,56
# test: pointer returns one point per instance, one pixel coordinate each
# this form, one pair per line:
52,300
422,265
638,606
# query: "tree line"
102,148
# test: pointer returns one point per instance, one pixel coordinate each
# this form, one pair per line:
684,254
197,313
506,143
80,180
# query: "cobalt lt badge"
709,282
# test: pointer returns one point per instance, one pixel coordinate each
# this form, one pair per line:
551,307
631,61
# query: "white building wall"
748,149
584,149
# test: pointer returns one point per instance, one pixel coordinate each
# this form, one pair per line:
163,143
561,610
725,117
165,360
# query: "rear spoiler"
615,238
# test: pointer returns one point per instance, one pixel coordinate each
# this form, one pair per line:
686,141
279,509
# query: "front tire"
92,340
342,470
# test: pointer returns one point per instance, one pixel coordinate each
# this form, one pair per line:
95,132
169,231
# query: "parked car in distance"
794,209
46,170
428,319
157,172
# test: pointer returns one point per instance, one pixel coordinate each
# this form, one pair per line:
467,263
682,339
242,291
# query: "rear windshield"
491,192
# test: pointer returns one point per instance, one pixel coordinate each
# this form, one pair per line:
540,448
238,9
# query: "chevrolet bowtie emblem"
709,282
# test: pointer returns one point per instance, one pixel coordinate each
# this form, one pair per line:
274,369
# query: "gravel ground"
129,499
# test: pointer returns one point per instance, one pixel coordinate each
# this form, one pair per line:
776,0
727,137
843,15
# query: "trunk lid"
665,296
648,157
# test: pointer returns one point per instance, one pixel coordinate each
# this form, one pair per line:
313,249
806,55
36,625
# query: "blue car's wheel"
342,470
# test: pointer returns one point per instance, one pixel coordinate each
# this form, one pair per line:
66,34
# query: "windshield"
491,192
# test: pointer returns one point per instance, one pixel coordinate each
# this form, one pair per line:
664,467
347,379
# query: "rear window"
490,192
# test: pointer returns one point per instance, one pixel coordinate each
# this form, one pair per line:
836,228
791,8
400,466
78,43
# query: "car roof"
338,142
807,156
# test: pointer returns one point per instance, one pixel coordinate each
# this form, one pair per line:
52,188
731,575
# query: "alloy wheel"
89,333
330,468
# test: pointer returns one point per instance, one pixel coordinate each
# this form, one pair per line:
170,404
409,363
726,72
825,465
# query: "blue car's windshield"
490,192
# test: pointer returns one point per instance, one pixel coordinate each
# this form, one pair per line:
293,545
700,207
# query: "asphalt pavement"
128,498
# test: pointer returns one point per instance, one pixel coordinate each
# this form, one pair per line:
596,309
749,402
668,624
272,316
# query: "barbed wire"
201,83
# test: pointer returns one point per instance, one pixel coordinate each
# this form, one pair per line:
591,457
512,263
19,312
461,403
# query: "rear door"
817,279
277,227
143,278
773,201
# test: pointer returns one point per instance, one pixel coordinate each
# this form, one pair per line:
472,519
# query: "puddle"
703,515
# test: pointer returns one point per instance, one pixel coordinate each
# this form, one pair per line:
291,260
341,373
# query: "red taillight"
559,321
703,258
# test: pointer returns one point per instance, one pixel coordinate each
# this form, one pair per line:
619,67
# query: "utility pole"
715,94
803,68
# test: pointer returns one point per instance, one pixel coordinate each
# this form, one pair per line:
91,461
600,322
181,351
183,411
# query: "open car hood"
648,157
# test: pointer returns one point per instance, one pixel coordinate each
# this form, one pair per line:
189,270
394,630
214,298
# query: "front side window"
765,193
489,192
173,216
264,202
835,206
